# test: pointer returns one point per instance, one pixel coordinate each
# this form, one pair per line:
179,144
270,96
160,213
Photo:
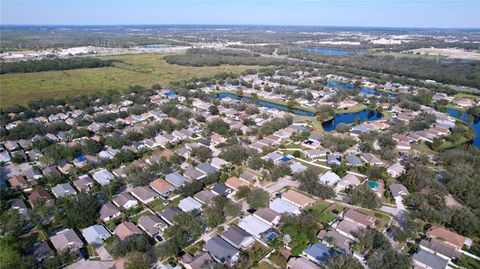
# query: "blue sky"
386,13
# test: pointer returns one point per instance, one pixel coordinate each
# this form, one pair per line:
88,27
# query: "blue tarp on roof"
285,159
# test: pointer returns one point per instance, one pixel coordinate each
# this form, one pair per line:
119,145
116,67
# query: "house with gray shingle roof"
96,234
221,251
176,179
62,190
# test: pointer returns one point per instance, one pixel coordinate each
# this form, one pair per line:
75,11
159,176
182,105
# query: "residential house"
318,252
238,238
235,183
218,163
206,168
176,179
221,251
364,220
96,234
347,181
66,240
353,160
297,198
196,262
63,190
50,171
18,182
222,189
348,228
102,176
329,178
426,260
282,206
152,225
84,183
371,159
125,200
194,174
268,216
169,214
126,229
204,196
315,153
301,263
396,170
40,195
249,176
80,161
297,167
253,226
336,238
440,248
189,204
40,250
449,237
109,211
162,187
144,194
19,205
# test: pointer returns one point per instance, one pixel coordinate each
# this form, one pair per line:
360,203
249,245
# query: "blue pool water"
372,184
464,117
363,90
329,51
348,118
280,107
170,94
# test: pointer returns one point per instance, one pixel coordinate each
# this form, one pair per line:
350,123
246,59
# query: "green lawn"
139,69
278,259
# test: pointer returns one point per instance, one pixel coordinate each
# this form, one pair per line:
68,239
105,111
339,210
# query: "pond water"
155,46
348,118
363,90
464,117
296,111
329,51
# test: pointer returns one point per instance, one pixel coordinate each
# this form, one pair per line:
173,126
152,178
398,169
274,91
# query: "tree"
213,110
133,243
218,126
80,211
258,198
363,196
309,182
137,260
235,154
325,112
340,261
202,153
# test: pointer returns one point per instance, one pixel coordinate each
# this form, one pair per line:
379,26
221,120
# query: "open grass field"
140,69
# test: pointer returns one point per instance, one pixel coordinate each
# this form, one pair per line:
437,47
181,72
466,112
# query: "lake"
329,51
155,46
363,90
464,117
296,111
349,118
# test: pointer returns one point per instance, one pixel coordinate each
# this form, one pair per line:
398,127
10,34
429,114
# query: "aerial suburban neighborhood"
230,146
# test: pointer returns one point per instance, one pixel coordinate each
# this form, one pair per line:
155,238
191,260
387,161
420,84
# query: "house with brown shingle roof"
66,240
235,183
297,198
449,237
40,195
126,229
144,194
18,182
162,187
361,219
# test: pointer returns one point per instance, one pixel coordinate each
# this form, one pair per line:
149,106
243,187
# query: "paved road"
280,184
